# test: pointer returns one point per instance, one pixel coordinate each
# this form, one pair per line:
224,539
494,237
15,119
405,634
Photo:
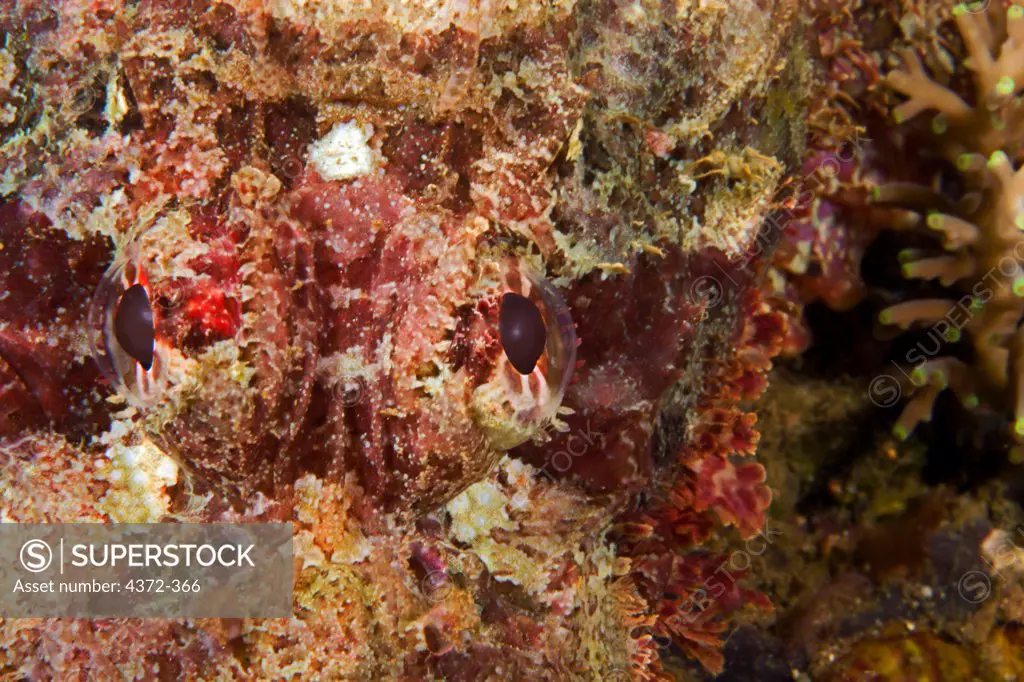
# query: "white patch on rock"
344,153
480,508
138,473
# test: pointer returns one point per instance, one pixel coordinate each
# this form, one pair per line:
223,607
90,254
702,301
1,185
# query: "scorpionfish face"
226,336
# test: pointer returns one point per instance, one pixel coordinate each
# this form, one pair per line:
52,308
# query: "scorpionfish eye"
133,325
524,381
122,330
522,332
161,305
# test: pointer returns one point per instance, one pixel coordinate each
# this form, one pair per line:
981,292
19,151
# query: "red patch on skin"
206,223
213,313
290,128
419,154
196,311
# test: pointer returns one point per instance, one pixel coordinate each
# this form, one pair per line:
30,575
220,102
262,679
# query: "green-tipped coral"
980,230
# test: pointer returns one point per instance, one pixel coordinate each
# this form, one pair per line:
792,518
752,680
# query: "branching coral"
981,229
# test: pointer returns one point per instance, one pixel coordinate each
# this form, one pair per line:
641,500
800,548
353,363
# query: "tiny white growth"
132,456
138,473
478,510
167,470
344,153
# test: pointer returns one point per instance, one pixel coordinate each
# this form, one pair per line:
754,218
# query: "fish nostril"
133,325
522,332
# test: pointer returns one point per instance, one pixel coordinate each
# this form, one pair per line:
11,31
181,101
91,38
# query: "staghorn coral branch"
956,232
984,228
924,93
961,380
931,378
994,78
1015,22
1011,56
991,332
1011,64
918,410
969,203
922,311
948,372
1002,169
1015,25
968,162
896,219
903,194
1015,369
1011,189
981,44
991,364
946,269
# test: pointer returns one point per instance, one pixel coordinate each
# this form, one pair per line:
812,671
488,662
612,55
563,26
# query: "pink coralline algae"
827,223
465,291
828,229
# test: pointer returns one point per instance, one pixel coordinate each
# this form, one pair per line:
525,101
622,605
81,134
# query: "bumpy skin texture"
327,343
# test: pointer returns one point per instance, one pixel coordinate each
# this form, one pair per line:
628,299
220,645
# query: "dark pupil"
133,325
522,332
